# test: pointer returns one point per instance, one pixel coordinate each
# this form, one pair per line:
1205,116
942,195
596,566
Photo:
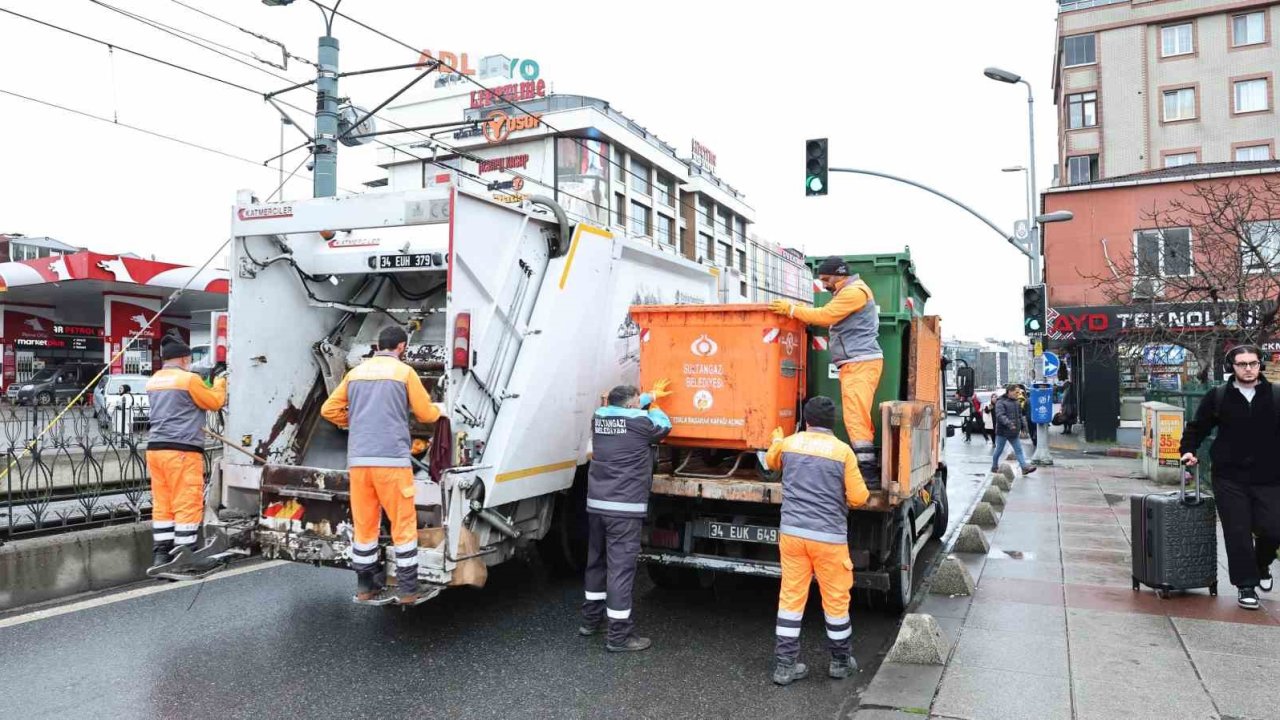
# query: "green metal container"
900,296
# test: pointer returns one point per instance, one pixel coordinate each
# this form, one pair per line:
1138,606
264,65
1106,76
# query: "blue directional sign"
1051,365
1041,404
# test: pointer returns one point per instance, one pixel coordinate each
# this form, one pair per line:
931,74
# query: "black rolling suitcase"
1175,540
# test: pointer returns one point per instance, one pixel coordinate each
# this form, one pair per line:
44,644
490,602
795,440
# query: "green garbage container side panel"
891,277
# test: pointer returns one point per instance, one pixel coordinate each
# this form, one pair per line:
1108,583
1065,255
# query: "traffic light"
815,155
1034,308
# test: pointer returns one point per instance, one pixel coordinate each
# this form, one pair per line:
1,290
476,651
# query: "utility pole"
325,173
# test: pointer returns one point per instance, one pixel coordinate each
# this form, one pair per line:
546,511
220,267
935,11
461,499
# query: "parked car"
57,384
117,392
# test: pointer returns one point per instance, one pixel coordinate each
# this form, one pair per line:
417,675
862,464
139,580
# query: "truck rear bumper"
864,579
742,490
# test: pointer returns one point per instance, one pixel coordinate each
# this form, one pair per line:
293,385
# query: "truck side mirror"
964,378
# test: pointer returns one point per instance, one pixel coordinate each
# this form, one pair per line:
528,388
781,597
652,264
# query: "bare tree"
1205,273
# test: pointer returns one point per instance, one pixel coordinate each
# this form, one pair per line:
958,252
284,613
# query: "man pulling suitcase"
1246,469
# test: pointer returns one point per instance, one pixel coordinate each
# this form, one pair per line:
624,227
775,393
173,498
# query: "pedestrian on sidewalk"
1246,469
1009,424
1025,403
820,483
989,418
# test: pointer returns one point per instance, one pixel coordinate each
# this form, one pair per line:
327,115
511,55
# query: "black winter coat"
1247,449
1008,417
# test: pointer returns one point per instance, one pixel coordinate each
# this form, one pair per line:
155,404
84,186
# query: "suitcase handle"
1198,499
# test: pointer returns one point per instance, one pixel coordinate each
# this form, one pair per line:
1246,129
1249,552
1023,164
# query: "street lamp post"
1042,456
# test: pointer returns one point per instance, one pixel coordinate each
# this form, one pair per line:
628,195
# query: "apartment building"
1148,84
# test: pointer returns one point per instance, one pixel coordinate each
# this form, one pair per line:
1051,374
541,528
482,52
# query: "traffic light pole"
1043,455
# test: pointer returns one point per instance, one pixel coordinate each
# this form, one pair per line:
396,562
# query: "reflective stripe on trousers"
612,549
374,489
177,496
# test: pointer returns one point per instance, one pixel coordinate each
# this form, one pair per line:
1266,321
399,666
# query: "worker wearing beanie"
854,320
373,401
820,482
178,399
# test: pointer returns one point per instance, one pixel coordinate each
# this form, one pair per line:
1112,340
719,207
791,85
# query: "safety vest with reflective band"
374,400
621,471
178,400
856,337
820,482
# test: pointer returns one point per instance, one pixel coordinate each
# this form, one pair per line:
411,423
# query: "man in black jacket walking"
1246,469
1008,422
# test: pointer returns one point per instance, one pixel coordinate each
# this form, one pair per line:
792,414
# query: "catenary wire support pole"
325,174
1042,455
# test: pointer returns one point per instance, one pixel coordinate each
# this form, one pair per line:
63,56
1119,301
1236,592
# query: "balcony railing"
1066,5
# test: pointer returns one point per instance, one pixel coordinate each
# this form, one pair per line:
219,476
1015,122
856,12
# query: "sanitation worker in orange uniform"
374,401
854,320
178,399
820,482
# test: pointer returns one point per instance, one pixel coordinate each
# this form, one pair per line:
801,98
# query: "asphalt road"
282,640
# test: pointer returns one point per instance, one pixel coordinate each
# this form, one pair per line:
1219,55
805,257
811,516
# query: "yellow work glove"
782,307
778,435
660,390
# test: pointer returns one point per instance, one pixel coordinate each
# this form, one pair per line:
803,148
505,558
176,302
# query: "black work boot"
1249,598
787,671
587,629
842,666
160,553
631,644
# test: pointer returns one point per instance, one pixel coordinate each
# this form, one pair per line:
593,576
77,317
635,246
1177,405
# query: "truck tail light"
462,341
220,339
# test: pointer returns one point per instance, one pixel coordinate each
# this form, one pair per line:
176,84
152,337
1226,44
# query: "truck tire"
942,513
44,398
564,547
900,567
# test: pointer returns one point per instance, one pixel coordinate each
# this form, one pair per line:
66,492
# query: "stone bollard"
972,540
952,578
993,496
984,515
1010,470
919,642
1002,483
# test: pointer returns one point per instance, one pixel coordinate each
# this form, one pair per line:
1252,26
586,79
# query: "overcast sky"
896,91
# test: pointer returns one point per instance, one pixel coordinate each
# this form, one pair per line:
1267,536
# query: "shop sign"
1067,323
516,184
510,162
509,198
77,330
511,92
703,157
499,125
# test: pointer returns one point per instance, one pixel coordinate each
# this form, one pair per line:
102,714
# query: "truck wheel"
942,513
564,547
900,568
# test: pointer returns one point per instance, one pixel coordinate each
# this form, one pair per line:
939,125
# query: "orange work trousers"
374,489
801,560
858,382
177,495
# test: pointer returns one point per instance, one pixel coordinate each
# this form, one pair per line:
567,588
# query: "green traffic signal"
1035,307
815,157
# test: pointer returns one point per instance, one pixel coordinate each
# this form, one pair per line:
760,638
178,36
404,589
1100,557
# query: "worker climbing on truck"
820,482
618,484
178,399
373,401
854,320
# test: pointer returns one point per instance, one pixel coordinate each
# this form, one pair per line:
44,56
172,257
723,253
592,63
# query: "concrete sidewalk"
1055,630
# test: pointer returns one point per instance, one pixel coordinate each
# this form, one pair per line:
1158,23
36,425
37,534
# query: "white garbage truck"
518,324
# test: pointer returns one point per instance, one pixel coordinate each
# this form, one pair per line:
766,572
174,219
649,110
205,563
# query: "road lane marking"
130,594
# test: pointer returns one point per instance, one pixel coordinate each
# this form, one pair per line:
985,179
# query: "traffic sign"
1037,349
1051,364
1022,230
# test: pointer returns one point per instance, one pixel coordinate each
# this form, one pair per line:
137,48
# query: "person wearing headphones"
1246,469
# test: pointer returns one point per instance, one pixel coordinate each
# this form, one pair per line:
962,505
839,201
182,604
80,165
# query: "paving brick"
1135,698
1241,687
973,693
1121,628
1228,638
1012,651
1023,618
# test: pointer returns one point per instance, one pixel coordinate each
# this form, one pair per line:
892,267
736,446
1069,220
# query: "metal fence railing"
86,468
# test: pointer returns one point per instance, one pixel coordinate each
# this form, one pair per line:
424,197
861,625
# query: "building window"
639,176
1181,159
1082,110
1176,40
1179,104
742,231
620,210
742,261
1248,29
726,224
666,192
1082,169
725,256
1078,50
1261,246
639,219
708,248
664,230
1253,153
620,162
1252,95
1163,253
706,213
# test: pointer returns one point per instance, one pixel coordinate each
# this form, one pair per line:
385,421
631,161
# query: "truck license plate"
406,262
736,533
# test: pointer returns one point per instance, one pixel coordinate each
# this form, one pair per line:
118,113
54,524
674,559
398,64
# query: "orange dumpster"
736,371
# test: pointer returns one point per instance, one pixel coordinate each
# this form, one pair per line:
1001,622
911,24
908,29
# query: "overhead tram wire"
288,55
